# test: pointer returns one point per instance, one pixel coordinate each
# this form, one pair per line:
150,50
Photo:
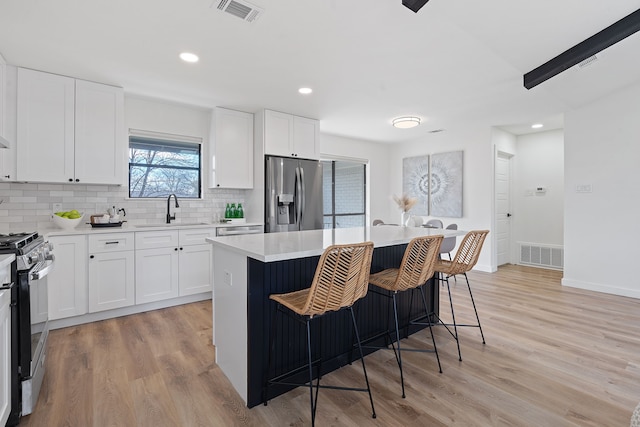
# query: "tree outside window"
158,168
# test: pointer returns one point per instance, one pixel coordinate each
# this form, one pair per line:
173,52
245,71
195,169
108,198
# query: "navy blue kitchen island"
247,269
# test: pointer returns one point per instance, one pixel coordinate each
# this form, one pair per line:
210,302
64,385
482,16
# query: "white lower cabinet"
107,271
68,280
5,355
196,270
156,274
172,263
111,271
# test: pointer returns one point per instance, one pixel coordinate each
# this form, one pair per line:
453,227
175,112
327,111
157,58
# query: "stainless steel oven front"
34,293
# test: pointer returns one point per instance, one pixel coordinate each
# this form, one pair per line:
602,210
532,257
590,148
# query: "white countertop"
127,227
5,260
299,244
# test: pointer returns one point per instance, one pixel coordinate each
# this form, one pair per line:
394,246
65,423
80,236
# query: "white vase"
404,218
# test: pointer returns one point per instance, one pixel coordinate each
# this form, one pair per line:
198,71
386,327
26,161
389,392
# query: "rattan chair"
415,269
466,257
341,278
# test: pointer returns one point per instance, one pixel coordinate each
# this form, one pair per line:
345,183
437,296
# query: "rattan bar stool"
466,257
415,269
341,278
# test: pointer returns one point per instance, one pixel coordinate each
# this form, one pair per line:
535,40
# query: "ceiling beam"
611,35
414,5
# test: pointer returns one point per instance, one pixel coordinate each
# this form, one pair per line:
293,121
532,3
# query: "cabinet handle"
180,248
7,176
175,249
91,256
70,179
112,243
77,180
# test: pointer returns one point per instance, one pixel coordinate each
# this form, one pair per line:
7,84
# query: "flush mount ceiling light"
189,57
305,90
406,122
536,126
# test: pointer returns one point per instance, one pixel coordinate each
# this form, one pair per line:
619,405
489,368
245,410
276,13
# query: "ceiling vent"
240,8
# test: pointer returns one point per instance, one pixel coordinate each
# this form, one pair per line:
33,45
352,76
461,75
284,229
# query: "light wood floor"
554,357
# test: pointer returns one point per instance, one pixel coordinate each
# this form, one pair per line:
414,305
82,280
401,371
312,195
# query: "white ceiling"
454,62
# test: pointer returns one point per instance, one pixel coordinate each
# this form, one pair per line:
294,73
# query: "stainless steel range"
30,330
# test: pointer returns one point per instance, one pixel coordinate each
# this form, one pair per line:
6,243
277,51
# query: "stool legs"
313,399
453,316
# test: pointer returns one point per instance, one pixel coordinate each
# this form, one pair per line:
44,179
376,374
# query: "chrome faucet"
169,216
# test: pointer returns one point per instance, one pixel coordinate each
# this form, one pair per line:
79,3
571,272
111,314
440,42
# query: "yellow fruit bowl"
67,223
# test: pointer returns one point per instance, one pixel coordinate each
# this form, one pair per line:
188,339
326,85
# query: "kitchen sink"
173,224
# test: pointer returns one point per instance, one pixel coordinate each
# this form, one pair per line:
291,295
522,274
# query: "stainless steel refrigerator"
293,199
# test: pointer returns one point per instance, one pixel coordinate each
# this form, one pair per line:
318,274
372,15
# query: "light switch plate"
227,278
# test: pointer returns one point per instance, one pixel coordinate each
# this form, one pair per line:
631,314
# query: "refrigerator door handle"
298,198
303,201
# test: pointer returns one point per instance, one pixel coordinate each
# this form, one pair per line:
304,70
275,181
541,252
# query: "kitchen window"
343,189
160,165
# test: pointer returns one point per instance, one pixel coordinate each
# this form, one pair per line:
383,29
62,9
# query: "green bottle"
227,211
240,211
234,211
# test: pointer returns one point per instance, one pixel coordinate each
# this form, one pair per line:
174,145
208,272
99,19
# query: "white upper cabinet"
231,149
291,136
69,130
100,143
7,121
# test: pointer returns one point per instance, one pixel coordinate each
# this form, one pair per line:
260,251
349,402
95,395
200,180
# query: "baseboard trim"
598,287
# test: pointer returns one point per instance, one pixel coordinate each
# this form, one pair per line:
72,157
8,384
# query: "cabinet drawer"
195,236
157,239
111,242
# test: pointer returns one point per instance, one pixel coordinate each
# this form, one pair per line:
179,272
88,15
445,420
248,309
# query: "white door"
67,282
503,208
156,274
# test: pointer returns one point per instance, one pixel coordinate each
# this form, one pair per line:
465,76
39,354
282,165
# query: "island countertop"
271,247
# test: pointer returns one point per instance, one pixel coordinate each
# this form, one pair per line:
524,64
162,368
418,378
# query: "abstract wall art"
445,189
415,182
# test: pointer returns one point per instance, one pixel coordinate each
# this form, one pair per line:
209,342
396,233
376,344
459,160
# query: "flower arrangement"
405,203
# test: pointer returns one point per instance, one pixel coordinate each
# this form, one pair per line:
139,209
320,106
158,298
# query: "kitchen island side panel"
334,330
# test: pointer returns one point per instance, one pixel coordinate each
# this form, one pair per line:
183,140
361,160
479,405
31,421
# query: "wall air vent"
436,131
239,8
546,256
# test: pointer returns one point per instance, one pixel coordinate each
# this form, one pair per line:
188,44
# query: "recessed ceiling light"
305,90
406,122
537,126
189,57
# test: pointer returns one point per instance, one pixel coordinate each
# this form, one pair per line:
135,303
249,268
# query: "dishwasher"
234,230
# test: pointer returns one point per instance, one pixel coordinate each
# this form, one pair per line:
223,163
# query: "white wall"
377,155
602,149
477,187
539,162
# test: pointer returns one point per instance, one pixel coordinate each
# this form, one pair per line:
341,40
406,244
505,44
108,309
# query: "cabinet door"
111,280
278,134
231,145
68,280
196,272
5,357
45,137
8,81
156,274
100,142
306,138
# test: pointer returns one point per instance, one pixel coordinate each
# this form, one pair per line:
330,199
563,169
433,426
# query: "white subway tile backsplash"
27,207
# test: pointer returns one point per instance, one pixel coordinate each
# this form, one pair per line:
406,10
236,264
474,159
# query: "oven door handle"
42,272
7,286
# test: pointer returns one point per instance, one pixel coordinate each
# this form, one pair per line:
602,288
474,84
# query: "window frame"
333,215
174,140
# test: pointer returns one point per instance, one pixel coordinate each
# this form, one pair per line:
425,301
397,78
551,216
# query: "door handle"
7,286
508,215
